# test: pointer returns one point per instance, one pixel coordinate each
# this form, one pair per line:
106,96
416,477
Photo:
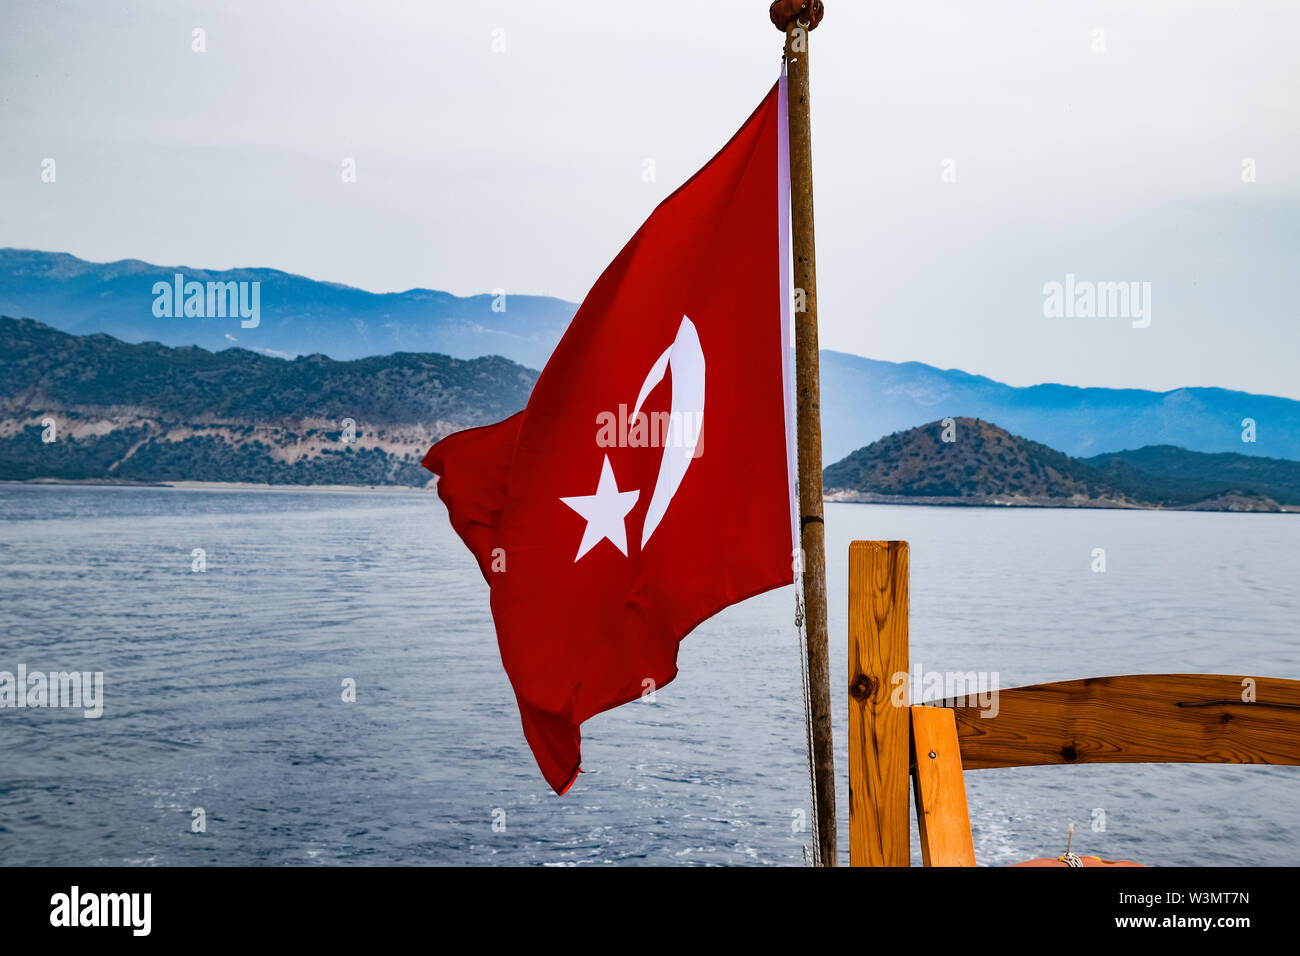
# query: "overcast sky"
523,169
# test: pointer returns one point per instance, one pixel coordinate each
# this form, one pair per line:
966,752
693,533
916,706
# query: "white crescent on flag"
686,359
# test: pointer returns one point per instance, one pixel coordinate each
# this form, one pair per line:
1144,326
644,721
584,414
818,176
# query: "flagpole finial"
809,13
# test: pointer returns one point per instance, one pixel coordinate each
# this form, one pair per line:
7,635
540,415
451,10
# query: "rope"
802,631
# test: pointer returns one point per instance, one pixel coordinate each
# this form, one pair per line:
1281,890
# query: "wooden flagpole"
798,19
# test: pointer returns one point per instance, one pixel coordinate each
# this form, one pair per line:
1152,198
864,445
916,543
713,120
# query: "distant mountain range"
95,408
862,399
297,315
969,461
147,412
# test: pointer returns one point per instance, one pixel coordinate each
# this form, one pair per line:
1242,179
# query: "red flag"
648,482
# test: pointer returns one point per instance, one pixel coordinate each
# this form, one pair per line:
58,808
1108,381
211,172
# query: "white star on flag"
605,511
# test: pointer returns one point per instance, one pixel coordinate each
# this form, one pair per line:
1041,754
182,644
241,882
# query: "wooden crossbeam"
1136,718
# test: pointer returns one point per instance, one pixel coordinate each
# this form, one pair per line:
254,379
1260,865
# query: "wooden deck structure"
1135,718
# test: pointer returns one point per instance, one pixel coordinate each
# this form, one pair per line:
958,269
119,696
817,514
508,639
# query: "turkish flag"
649,481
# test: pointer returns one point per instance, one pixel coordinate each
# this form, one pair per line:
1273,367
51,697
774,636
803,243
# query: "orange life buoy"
1083,861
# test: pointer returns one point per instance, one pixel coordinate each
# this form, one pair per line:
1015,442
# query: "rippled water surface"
223,688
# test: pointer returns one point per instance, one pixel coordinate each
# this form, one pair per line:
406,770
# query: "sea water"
229,733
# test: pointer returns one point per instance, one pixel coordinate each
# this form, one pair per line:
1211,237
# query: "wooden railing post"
942,816
879,719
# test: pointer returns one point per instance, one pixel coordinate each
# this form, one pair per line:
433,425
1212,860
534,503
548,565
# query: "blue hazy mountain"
862,399
298,316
